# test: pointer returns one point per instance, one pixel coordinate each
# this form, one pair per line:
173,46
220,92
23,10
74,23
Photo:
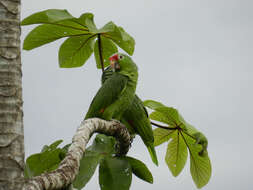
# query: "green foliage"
102,146
176,154
84,38
200,166
47,16
119,36
114,174
107,48
46,161
76,50
161,135
181,136
140,169
81,32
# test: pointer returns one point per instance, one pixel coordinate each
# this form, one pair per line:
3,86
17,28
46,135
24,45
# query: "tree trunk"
11,114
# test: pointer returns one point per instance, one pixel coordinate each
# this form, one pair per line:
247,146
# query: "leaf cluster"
83,37
114,172
182,138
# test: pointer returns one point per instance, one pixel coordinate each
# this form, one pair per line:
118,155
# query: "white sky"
194,55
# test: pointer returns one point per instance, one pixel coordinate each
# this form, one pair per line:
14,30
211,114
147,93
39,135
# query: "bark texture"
69,167
11,114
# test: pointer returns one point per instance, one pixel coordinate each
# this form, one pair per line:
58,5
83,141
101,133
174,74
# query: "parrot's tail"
152,153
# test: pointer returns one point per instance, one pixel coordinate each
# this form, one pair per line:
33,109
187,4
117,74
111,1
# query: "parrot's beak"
114,62
116,66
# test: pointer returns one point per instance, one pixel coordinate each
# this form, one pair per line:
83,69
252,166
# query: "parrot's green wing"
135,118
106,74
106,96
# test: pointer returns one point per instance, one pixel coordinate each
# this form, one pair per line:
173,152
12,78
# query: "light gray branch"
68,168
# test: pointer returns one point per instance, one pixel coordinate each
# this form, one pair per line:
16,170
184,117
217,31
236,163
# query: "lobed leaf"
47,33
200,166
101,147
176,154
75,51
161,117
108,48
36,164
198,136
88,165
114,174
161,136
140,169
47,16
87,19
119,36
153,104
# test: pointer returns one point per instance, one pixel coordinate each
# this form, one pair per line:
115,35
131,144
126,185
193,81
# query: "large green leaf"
88,165
184,136
102,146
115,174
52,146
161,117
176,154
47,16
140,169
75,51
161,136
108,48
198,136
200,166
172,115
47,160
162,113
153,104
87,19
37,164
47,33
119,36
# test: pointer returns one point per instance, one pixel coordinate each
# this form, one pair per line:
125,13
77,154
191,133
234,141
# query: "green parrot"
135,118
116,93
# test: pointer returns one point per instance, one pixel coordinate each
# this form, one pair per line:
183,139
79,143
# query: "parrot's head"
124,65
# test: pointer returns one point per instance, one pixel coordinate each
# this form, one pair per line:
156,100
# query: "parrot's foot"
123,144
117,122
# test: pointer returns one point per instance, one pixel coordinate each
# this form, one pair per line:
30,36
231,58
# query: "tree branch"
68,168
100,49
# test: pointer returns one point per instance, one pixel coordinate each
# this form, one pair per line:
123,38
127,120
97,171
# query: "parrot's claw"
116,121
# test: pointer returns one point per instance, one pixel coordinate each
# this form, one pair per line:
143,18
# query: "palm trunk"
11,114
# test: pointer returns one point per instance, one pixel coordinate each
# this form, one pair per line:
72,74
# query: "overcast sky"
194,55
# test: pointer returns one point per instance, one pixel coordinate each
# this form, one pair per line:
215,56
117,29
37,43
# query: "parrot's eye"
121,57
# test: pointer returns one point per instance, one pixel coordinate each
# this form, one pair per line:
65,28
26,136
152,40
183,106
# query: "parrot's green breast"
135,118
116,93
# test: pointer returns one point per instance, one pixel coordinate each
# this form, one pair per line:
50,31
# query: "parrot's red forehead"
114,57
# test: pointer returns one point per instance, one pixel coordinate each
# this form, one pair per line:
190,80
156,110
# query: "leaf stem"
163,127
100,52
